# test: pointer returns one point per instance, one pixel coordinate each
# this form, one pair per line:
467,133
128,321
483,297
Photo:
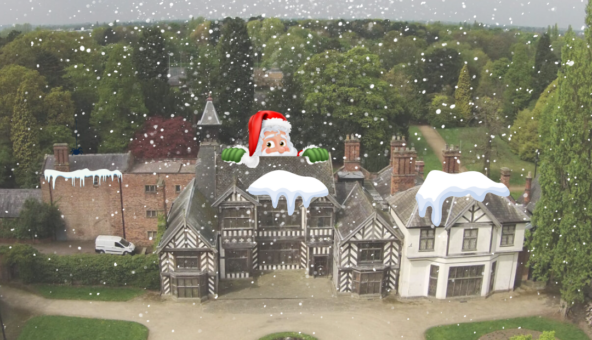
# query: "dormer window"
470,240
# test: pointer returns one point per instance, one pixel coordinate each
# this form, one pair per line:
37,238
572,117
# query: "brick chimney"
527,188
352,154
396,142
505,179
451,163
403,176
61,154
419,168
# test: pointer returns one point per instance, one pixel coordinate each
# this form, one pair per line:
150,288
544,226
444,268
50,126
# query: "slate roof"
358,208
535,195
164,167
109,161
226,173
342,189
209,117
501,208
192,208
12,200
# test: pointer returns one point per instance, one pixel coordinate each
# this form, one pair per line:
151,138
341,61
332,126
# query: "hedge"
139,271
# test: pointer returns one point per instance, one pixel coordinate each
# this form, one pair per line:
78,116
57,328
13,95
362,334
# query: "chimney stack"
403,176
451,163
527,188
397,142
61,161
352,153
419,168
505,179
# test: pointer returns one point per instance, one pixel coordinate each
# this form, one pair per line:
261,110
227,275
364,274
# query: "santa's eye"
270,144
282,143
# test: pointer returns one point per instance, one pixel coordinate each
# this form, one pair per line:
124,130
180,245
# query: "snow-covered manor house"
365,235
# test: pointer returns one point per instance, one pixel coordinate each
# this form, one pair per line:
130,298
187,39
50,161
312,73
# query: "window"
426,239
320,217
237,218
177,189
433,286
187,287
464,281
278,217
508,232
150,189
367,283
95,180
151,235
370,252
118,245
280,253
470,240
187,261
151,213
236,261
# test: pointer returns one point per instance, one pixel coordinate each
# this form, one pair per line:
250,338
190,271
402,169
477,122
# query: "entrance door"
367,283
464,281
492,277
321,265
190,286
280,253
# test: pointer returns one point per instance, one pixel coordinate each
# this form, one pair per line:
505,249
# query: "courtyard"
288,301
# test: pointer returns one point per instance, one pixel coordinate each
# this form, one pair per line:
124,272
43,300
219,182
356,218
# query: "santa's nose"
282,150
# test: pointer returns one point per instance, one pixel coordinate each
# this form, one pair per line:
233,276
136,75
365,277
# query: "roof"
535,195
164,167
209,117
191,209
350,174
109,161
12,200
226,173
500,208
358,208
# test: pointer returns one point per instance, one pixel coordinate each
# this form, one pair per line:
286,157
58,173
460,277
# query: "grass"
290,334
465,137
474,330
50,327
92,293
424,151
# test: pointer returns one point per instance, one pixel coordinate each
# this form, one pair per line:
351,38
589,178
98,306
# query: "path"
437,143
327,318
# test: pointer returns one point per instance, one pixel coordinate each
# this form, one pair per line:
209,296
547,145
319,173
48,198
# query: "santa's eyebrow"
269,136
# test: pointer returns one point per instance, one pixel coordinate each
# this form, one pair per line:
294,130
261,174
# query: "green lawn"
465,138
49,327
474,330
286,334
424,151
94,293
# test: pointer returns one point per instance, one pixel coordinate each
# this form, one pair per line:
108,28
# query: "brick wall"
96,210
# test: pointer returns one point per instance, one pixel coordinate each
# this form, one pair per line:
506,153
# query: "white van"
105,244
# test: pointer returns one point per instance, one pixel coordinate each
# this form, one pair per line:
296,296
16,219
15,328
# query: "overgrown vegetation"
48,327
36,220
82,269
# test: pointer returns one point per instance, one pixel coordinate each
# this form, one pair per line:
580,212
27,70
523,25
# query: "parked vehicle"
105,244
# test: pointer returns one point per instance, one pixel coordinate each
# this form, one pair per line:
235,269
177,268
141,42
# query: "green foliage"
260,31
491,80
345,93
519,83
37,220
524,133
546,65
25,141
560,248
441,68
6,164
120,110
283,335
161,227
475,330
425,152
522,337
235,86
547,335
92,293
398,49
443,113
52,327
463,96
140,271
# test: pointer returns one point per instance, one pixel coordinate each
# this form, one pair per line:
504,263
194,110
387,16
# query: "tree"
491,82
120,110
260,31
441,67
343,94
462,95
202,78
25,142
398,49
518,80
235,86
6,165
546,65
443,113
151,62
525,136
165,138
37,220
489,116
560,247
58,124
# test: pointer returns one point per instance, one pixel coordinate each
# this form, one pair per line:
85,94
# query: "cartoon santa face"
274,143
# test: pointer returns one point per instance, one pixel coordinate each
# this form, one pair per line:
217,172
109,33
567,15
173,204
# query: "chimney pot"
505,176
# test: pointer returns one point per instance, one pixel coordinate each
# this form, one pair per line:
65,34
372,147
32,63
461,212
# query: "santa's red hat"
261,120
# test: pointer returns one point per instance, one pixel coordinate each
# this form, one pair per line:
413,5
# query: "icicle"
81,174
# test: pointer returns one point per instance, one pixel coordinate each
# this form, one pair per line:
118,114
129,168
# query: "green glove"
233,154
315,155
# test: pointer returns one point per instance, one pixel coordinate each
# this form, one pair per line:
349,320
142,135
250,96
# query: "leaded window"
370,252
426,239
508,232
278,217
237,218
470,240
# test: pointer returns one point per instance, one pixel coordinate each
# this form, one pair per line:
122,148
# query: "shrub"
36,220
443,113
160,229
86,269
